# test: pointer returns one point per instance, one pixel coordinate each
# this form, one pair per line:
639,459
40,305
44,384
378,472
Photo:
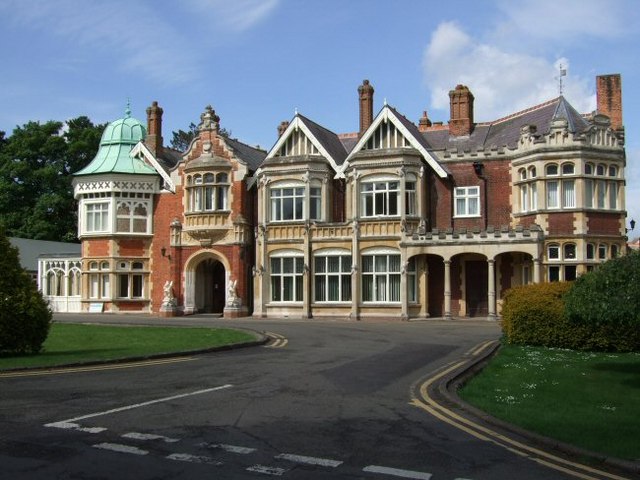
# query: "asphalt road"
327,400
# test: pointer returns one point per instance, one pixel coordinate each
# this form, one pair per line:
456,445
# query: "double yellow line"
93,368
276,340
421,398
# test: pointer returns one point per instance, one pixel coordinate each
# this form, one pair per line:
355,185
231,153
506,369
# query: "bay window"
208,192
380,198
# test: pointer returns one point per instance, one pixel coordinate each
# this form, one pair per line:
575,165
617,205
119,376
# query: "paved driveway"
326,400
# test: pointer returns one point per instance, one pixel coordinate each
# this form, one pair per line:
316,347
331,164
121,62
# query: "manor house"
400,219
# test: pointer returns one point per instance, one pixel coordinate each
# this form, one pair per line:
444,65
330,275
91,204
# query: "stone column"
492,289
536,270
447,288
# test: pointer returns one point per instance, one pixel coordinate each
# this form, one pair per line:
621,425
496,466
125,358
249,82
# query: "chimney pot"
365,93
609,98
461,105
153,139
282,127
424,122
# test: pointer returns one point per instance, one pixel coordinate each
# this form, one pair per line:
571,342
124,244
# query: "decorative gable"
300,139
390,131
297,143
141,151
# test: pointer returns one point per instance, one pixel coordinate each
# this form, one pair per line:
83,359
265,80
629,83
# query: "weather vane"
563,73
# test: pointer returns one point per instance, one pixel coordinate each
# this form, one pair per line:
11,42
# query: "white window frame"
96,216
381,276
380,197
324,279
131,280
286,287
463,201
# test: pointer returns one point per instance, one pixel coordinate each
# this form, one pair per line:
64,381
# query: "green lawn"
591,400
68,343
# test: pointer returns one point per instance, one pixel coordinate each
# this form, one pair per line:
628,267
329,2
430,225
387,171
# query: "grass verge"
586,399
68,343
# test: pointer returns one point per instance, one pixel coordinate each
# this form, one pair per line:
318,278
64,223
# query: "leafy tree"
181,139
36,163
25,317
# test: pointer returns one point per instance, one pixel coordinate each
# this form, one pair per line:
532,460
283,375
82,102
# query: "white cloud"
502,82
237,15
566,20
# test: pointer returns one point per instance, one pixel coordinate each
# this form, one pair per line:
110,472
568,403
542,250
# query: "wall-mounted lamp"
477,167
632,224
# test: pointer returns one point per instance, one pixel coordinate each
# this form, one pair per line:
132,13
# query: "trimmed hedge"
535,315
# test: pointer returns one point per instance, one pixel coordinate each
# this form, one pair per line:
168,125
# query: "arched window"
552,169
568,169
569,251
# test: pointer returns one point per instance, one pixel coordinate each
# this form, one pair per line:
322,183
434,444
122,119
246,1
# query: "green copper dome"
117,141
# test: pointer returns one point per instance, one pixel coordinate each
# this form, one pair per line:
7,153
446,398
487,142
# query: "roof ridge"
521,112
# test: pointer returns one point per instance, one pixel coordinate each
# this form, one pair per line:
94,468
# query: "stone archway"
210,291
205,283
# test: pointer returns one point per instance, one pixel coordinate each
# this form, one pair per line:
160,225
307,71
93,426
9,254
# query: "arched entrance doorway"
210,286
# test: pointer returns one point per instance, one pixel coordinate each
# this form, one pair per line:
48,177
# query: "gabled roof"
141,152
327,142
410,132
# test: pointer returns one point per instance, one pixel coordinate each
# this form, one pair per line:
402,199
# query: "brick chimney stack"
154,128
424,123
282,128
461,103
609,98
365,92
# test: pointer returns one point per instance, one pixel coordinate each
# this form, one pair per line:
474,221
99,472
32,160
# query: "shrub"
25,317
531,314
535,315
610,295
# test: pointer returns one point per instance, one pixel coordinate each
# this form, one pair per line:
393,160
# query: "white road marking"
185,457
144,404
396,472
324,462
149,436
229,448
275,471
75,426
117,447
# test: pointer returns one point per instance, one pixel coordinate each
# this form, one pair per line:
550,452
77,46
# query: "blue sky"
257,61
